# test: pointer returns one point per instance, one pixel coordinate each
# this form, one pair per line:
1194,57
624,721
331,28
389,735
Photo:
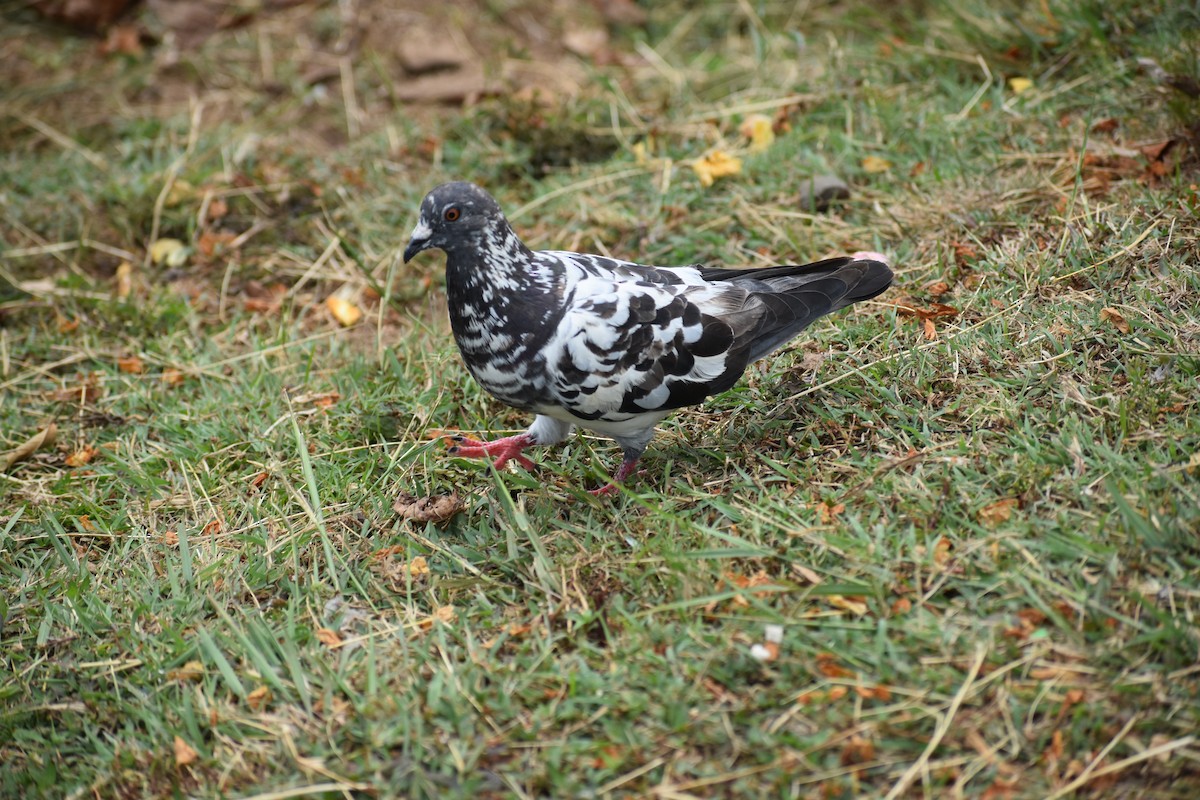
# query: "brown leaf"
258,698
828,512
857,750
184,753
82,456
995,513
258,479
827,665
901,605
171,376
929,328
1107,125
211,242
436,508
191,671
43,438
937,288
328,637
131,365
123,39
1116,318
941,551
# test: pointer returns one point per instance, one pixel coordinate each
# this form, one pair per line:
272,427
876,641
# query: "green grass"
982,547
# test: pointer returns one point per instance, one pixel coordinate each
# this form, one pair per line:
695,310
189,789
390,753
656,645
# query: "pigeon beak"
419,241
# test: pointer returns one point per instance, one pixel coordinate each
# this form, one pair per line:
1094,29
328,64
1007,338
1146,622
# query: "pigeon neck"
495,256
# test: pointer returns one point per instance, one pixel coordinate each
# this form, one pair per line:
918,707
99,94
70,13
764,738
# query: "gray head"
455,215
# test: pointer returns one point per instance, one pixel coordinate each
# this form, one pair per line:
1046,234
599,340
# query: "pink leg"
627,468
504,450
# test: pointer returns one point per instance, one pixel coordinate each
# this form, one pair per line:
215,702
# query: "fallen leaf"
43,438
937,288
941,551
217,208
1116,318
828,512
436,508
86,391
258,479
929,328
184,753
1019,85
328,637
856,750
716,164
123,280
212,528
191,671
258,698
123,39
131,365
418,567
82,456
345,312
838,692
1107,125
875,164
445,614
212,241
759,129
995,513
901,605
827,665
855,605
171,376
171,252
806,574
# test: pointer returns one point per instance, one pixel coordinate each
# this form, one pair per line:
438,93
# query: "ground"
945,545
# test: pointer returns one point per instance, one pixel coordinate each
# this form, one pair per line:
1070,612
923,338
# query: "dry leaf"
124,280
184,753
758,128
131,365
171,376
191,671
444,614
941,551
258,479
806,574
855,605
1116,318
171,252
828,513
417,567
901,605
1019,85
82,456
827,665
345,312
874,164
258,698
716,164
436,508
43,438
328,637
995,513
857,750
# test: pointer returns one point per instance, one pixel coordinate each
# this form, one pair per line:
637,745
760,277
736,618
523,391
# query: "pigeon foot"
504,450
627,468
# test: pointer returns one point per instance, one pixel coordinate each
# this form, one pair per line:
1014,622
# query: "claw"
505,450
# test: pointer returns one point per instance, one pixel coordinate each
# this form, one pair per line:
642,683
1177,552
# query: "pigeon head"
455,216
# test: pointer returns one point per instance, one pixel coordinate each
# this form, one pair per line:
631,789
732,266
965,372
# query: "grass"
981,546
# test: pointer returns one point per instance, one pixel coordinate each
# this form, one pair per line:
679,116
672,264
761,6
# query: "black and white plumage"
610,345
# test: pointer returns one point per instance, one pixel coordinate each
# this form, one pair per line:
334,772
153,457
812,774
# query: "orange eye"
450,214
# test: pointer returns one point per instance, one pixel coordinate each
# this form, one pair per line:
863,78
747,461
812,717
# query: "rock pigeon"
605,344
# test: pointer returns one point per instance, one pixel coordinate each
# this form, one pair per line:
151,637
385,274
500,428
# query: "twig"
62,140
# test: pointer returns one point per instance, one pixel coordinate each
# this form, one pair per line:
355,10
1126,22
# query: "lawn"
946,544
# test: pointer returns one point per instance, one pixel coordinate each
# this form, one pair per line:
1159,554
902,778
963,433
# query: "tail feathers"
792,298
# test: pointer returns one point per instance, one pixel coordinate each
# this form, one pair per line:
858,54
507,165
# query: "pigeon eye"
450,214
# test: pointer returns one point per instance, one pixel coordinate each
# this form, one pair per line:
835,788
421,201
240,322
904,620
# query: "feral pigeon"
610,345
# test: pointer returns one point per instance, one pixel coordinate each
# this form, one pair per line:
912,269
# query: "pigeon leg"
627,468
504,450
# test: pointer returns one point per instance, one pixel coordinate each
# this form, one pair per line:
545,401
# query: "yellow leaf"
184,753
418,566
168,251
445,614
639,153
124,279
345,312
758,129
853,605
42,438
258,698
716,164
876,164
1019,85
191,671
